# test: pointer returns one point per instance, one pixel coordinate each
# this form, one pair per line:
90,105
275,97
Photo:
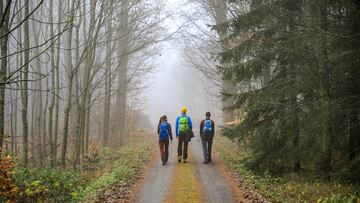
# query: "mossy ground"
185,188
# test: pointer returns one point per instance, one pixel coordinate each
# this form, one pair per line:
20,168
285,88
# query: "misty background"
175,82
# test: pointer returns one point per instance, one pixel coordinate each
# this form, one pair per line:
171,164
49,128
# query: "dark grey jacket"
212,128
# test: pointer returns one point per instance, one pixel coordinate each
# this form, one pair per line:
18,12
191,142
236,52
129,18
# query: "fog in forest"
175,82
176,85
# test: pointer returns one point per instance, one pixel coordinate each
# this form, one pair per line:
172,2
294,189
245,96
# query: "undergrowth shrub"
8,188
38,184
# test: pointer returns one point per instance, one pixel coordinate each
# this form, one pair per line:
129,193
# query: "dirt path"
157,183
162,182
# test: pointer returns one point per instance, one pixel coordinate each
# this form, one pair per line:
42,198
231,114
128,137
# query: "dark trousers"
206,145
209,147
183,141
164,150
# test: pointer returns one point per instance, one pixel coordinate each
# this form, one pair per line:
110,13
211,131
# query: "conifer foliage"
297,69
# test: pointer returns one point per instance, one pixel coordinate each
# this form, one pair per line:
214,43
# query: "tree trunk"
44,141
4,62
38,96
52,100
70,84
354,114
57,90
228,86
107,102
77,116
87,123
324,90
24,91
12,112
123,57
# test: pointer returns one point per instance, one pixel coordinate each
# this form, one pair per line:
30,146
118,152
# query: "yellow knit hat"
183,110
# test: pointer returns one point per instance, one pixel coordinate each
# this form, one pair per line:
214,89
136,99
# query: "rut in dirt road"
162,183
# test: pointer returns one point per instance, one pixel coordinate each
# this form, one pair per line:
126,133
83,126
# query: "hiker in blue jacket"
164,131
183,127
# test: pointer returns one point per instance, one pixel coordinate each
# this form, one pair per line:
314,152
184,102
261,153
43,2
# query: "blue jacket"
177,123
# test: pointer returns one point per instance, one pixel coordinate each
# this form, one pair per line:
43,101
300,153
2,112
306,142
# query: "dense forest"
64,63
295,66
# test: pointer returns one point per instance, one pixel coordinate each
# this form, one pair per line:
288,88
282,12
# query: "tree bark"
107,102
324,90
70,78
53,87
4,62
220,12
123,57
24,92
38,97
57,89
354,114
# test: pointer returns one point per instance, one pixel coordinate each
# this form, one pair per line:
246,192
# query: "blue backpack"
163,131
207,129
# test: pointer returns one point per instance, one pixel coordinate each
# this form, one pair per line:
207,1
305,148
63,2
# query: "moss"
185,187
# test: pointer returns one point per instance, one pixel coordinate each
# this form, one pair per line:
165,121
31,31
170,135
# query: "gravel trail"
215,189
158,183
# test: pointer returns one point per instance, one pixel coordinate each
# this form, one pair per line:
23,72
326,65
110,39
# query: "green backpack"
183,124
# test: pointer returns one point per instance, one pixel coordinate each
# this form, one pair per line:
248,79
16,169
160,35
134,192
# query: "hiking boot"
205,162
179,159
163,163
184,160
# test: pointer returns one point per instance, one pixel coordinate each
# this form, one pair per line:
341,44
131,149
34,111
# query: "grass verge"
131,158
103,169
293,187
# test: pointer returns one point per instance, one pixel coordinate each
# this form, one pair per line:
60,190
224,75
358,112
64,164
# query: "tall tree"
4,32
53,87
107,103
70,77
122,68
24,87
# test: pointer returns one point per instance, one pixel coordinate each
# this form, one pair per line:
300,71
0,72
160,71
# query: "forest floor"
182,182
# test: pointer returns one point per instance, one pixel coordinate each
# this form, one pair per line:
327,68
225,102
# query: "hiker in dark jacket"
207,131
164,131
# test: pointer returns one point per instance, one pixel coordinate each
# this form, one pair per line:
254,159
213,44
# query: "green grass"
293,187
131,157
108,167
